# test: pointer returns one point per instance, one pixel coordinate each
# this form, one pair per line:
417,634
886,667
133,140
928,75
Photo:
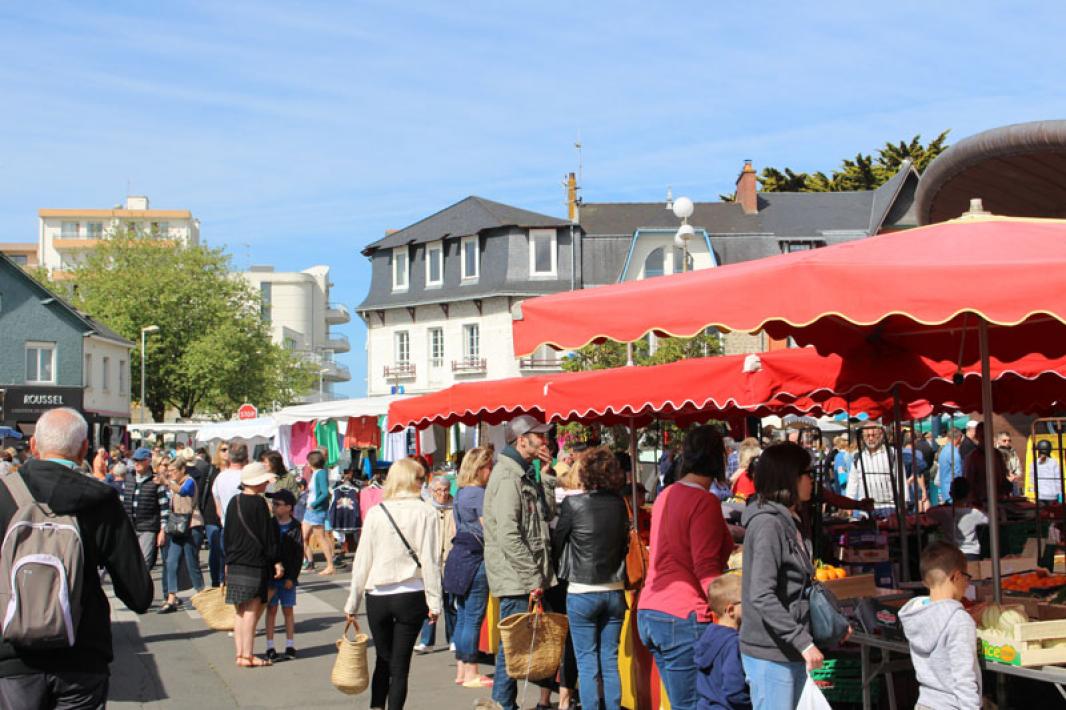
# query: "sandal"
253,662
482,682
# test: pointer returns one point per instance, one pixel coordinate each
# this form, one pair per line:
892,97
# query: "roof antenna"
580,164
669,198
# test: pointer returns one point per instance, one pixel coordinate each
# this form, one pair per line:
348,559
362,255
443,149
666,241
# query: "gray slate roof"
91,324
466,217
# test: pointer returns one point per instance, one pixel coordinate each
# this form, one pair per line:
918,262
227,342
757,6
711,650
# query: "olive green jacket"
517,538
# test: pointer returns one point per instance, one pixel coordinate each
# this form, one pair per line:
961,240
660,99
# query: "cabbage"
1010,619
990,616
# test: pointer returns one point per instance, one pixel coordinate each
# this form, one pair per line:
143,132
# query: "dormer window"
399,269
542,252
435,264
471,257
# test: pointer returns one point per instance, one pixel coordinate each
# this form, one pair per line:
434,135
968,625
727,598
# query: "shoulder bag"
403,539
636,555
179,520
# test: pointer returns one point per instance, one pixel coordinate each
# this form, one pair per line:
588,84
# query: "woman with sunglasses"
776,645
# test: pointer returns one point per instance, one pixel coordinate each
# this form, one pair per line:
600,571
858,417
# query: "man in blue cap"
145,500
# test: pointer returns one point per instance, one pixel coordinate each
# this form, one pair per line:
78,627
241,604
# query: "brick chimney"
746,189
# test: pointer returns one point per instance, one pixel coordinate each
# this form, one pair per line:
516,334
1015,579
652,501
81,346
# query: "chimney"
746,189
136,202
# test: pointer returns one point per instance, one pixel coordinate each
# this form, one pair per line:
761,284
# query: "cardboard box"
1007,565
883,573
863,555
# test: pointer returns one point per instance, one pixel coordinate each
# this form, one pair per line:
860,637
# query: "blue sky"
299,132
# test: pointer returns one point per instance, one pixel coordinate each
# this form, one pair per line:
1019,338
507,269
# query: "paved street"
175,661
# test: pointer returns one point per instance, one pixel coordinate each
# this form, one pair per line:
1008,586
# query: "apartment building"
65,236
22,253
442,289
296,305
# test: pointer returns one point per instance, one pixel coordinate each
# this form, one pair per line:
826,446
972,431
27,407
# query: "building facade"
441,292
296,305
53,355
65,236
22,253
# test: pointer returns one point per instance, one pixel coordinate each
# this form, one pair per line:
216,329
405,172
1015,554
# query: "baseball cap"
972,424
256,473
142,454
284,495
525,424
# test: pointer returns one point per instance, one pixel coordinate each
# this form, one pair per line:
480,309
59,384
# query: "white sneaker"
451,647
422,648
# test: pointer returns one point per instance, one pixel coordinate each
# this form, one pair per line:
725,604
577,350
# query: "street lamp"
321,380
144,333
683,209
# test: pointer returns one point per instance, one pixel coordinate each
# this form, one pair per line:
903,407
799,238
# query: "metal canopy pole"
901,488
633,472
991,484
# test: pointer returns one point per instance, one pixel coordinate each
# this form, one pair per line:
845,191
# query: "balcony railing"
400,371
338,343
540,363
469,366
337,314
335,371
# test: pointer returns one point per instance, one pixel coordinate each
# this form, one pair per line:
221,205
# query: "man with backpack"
55,652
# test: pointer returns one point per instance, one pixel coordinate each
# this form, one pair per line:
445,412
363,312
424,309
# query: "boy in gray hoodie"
942,634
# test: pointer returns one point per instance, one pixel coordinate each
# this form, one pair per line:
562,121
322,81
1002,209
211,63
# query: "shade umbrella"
968,289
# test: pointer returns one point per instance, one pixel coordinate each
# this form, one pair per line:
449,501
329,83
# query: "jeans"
470,612
672,643
215,559
187,546
68,690
504,688
774,685
596,627
429,628
394,620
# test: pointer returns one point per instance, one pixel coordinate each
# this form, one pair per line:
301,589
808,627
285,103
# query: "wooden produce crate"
1026,648
861,585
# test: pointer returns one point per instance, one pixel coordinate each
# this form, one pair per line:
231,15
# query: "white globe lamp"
683,208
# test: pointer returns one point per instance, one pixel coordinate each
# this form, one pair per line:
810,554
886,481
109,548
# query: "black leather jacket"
591,538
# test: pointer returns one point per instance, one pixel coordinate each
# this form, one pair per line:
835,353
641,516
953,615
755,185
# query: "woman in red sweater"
690,546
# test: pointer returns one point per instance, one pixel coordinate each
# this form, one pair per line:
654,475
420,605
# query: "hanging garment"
427,441
362,433
344,509
301,441
282,444
326,436
395,447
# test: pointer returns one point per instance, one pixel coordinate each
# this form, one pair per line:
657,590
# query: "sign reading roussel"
28,403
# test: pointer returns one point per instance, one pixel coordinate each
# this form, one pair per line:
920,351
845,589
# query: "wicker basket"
204,597
351,674
533,642
216,613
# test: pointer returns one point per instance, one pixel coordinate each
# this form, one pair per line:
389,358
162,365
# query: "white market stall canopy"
260,430
336,409
153,428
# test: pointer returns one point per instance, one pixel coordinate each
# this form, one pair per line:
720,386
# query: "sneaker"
451,647
307,565
290,652
422,648
487,704
271,654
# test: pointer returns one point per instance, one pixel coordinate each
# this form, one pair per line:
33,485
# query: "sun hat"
255,474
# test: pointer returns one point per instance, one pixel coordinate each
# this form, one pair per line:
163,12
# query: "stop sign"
247,411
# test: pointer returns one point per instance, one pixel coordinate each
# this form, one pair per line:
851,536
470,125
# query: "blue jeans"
504,688
470,612
215,559
774,685
187,546
672,643
596,626
429,628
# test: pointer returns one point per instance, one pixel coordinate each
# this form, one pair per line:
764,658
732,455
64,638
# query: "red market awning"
921,290
491,402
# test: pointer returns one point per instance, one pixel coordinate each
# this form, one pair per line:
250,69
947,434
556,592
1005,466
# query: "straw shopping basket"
351,674
213,609
533,642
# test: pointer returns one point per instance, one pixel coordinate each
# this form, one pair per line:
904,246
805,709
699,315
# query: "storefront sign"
25,404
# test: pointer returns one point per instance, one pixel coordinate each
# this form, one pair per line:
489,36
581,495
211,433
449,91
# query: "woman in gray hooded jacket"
776,646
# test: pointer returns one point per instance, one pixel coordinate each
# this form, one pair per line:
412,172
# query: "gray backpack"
41,572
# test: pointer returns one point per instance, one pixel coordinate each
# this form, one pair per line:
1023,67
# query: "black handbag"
177,523
828,623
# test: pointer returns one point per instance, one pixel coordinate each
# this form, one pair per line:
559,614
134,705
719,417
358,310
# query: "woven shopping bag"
533,642
213,609
351,674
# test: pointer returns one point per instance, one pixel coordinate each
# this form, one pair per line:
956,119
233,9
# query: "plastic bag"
812,698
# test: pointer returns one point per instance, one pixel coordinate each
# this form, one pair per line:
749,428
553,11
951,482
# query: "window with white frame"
399,269
471,341
403,347
68,230
470,257
123,384
94,230
105,374
435,264
436,347
161,229
542,252
40,363
655,263
87,372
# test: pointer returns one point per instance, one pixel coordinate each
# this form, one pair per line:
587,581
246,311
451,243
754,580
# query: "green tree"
212,352
863,172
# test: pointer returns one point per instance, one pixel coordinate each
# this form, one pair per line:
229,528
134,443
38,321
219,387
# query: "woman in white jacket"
396,568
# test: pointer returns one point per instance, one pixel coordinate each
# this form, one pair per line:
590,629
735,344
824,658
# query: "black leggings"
395,622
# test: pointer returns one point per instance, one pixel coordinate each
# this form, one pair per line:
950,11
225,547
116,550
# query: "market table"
1055,675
